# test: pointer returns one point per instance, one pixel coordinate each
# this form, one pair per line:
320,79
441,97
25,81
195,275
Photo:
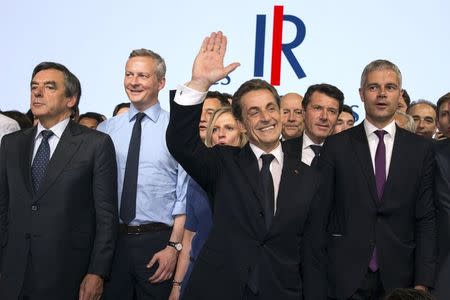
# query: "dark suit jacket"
442,194
401,225
239,240
69,226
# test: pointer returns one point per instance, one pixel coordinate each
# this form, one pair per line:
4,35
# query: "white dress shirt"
308,153
372,138
276,166
53,140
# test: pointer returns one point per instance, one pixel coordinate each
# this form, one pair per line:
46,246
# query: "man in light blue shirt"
152,221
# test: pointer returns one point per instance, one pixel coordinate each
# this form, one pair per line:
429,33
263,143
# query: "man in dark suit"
378,185
321,107
58,214
263,197
442,194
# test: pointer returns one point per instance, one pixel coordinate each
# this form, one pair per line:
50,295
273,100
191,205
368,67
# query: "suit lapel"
361,148
26,151
67,147
248,163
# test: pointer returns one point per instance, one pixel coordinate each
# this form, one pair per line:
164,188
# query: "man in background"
424,114
291,116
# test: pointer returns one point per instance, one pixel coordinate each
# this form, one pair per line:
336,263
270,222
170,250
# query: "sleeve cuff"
179,209
186,96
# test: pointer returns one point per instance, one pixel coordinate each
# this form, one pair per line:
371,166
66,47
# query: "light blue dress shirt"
162,182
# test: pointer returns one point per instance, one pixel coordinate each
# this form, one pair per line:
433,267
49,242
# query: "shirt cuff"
179,209
186,96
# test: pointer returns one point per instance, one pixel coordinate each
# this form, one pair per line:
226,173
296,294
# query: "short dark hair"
72,85
248,86
422,101
92,115
327,89
218,95
408,294
119,107
348,109
442,101
21,118
406,98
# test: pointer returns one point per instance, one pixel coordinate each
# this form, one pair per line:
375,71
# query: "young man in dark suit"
378,185
58,211
263,196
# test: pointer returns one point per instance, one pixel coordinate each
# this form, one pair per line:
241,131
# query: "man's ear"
71,101
161,83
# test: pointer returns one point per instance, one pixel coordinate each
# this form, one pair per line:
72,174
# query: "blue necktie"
41,160
128,199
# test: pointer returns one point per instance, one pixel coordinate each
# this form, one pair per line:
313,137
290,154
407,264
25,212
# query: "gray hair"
377,65
160,63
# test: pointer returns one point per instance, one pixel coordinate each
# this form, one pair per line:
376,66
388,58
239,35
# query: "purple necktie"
380,177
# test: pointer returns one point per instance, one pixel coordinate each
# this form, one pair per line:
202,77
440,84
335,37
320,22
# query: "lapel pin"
296,172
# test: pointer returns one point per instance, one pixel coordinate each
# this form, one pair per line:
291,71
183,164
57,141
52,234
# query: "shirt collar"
277,152
152,112
370,128
308,142
57,129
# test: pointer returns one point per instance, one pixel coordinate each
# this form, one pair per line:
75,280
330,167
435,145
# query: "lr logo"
277,46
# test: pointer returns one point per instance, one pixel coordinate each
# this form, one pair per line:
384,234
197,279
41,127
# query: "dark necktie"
41,160
128,199
316,149
380,178
267,181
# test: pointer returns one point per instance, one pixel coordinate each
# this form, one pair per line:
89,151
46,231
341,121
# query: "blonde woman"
223,129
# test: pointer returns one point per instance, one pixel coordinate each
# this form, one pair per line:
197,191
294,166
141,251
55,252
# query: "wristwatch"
176,245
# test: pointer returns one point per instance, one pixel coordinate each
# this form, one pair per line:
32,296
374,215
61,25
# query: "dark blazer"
442,194
401,225
296,143
239,240
69,226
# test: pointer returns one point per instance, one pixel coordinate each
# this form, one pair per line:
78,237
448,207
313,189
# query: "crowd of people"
245,196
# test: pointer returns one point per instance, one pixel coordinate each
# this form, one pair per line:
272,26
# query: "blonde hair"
212,122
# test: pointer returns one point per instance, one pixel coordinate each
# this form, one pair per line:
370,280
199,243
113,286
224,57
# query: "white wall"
94,38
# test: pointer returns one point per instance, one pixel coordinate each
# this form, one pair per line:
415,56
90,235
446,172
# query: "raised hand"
208,64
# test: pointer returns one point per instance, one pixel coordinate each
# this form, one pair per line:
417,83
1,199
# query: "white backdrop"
93,39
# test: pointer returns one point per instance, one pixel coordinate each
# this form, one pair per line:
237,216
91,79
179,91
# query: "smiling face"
381,94
261,119
141,82
425,118
320,116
